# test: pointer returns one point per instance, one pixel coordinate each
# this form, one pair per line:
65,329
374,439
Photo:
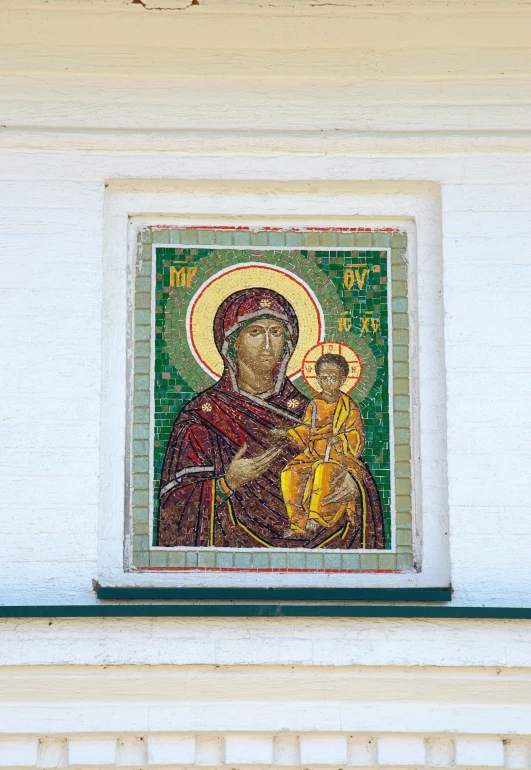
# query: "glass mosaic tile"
271,401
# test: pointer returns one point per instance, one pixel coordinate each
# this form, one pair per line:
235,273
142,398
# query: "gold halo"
352,358
204,304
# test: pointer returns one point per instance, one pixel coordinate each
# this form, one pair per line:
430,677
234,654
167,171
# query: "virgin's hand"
241,470
347,492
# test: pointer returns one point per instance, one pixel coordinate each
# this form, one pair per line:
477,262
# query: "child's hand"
279,435
335,441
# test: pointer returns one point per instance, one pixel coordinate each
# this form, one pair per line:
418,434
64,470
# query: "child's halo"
352,358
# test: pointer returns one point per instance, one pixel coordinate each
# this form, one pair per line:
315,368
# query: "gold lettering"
177,277
344,324
366,320
182,276
360,280
348,279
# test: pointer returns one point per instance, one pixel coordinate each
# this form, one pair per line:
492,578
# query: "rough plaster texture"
282,95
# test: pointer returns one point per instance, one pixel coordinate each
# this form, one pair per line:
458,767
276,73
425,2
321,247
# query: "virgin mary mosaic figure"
220,483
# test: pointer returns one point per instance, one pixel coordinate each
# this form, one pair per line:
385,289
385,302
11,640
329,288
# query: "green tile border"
144,556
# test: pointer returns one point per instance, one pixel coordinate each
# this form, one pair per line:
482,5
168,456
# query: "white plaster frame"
414,207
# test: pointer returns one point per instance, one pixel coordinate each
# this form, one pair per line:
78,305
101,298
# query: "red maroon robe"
205,437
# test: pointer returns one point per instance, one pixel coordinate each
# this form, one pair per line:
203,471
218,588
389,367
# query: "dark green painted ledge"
263,610
150,593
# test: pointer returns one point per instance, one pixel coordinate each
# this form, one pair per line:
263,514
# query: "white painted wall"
273,96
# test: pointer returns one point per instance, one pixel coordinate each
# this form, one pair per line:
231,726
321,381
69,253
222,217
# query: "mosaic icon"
272,424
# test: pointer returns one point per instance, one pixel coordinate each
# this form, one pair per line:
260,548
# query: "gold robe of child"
314,473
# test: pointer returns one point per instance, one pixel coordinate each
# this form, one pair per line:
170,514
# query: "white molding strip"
265,750
343,143
264,716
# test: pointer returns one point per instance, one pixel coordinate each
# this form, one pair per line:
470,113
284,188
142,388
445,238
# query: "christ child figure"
325,482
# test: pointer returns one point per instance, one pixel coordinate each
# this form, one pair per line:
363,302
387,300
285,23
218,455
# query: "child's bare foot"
288,532
312,526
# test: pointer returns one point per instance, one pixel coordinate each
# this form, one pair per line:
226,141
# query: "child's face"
330,378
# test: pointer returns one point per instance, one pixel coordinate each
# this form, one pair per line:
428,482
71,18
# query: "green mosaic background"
322,267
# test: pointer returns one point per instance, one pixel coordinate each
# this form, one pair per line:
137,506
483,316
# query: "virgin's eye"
276,332
255,331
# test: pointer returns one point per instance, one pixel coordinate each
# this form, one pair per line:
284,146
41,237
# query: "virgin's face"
260,344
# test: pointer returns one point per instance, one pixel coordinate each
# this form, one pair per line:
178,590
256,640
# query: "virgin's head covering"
240,309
